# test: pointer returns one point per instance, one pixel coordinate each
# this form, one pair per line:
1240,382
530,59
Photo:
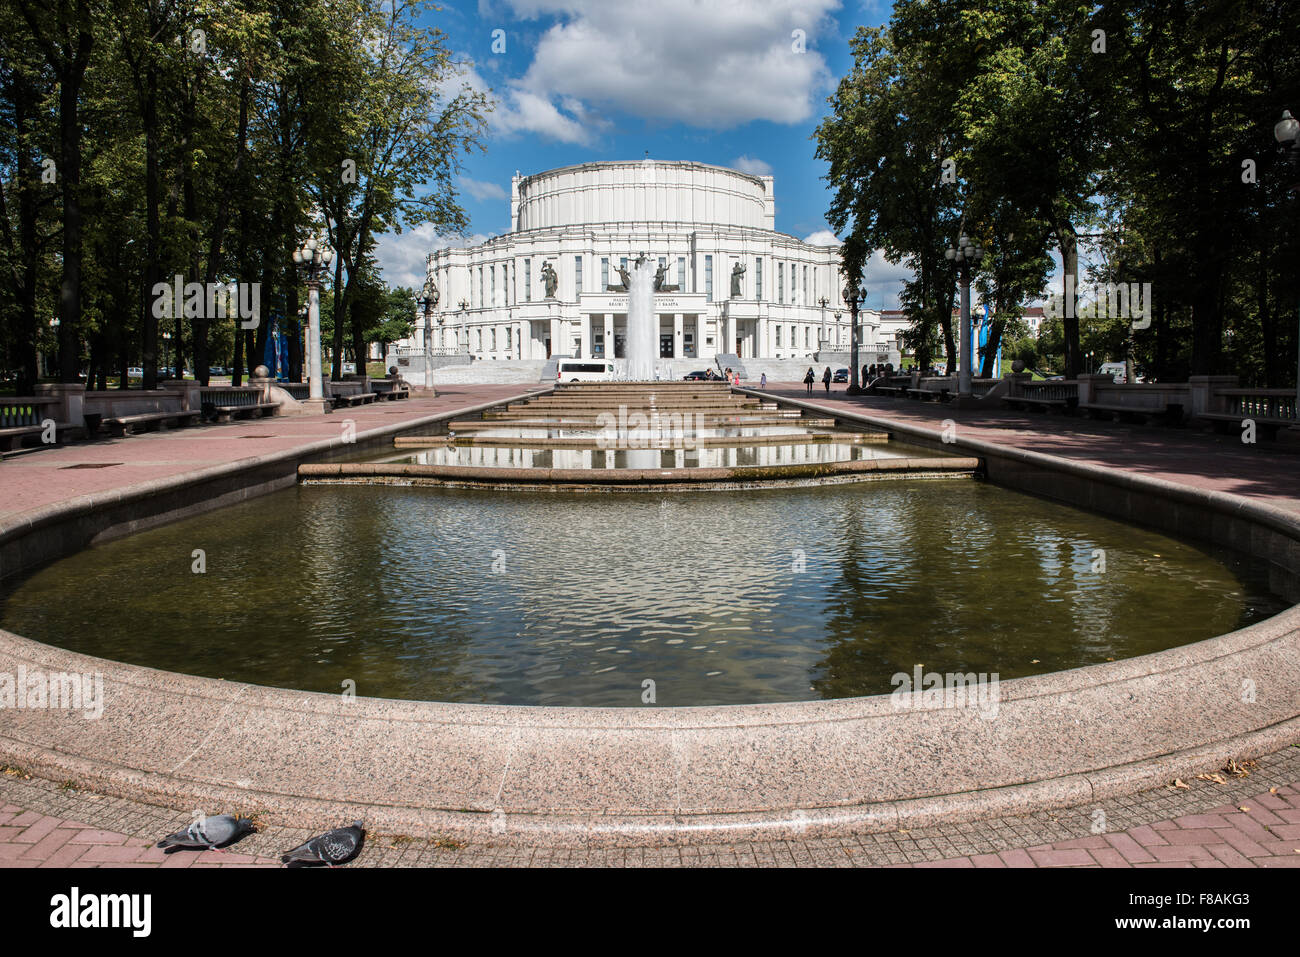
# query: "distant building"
583,222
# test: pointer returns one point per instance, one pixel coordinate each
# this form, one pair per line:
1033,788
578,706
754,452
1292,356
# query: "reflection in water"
704,457
576,599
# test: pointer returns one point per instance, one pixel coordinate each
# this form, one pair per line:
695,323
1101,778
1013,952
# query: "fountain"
642,344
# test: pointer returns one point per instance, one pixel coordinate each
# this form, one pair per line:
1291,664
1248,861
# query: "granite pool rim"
566,776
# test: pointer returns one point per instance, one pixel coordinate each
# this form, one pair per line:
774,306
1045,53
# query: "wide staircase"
663,407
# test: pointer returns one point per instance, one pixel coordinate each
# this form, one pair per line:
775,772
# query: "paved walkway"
47,476
1266,470
1250,818
1217,820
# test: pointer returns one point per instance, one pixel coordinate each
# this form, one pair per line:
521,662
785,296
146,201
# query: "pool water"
561,598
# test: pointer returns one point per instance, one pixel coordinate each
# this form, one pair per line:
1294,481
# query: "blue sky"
739,83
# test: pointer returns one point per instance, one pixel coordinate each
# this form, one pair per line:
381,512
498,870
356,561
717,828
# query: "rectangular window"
494,340
778,337
510,338
478,339
806,300
493,300
604,273
577,276
681,273
807,338
481,301
708,278
780,282
528,280
758,278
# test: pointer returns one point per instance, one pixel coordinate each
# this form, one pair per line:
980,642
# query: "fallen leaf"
1243,808
1178,783
1216,778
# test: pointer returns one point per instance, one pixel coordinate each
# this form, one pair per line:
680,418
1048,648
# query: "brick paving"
47,476
1250,821
1218,820
1265,471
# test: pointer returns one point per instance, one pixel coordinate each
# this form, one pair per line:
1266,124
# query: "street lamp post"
427,301
965,254
821,336
1287,133
854,296
313,259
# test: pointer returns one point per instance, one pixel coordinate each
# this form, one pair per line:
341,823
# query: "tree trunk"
70,176
1069,245
153,231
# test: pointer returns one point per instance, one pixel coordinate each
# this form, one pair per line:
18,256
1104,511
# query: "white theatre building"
706,226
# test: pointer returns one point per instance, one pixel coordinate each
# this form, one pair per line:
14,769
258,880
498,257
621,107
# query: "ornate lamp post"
427,301
821,335
1287,133
313,259
965,254
853,297
464,307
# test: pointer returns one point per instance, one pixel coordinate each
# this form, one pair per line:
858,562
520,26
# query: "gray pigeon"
209,833
333,848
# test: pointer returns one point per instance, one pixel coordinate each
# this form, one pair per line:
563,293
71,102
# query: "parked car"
841,375
217,370
1116,370
697,375
135,372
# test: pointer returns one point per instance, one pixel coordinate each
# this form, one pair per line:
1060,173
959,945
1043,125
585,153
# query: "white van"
584,370
1116,370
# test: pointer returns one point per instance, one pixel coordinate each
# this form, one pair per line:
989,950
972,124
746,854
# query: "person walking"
809,379
826,378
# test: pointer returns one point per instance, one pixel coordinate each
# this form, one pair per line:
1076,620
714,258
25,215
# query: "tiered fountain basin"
1071,734
630,436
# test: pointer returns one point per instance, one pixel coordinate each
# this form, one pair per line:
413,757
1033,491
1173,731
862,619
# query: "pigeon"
209,833
333,848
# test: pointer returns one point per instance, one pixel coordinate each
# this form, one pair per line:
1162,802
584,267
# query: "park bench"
356,398
221,405
1020,402
124,425
929,395
1265,426
11,438
1170,413
893,391
22,418
1270,410
392,391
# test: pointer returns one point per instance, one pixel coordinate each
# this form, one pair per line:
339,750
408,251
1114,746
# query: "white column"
677,335
557,345
730,325
609,335
315,388
761,349
584,349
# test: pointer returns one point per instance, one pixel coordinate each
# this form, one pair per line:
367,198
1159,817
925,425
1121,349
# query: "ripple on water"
487,597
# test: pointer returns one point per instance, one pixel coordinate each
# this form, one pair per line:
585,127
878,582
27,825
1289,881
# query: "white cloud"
753,165
519,111
823,237
715,65
401,256
480,189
